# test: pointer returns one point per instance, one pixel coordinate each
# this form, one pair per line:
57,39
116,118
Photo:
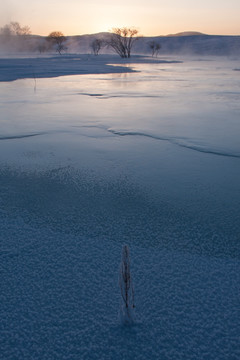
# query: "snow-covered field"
88,163
20,66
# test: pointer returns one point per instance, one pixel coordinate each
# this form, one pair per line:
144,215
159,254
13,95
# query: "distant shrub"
57,39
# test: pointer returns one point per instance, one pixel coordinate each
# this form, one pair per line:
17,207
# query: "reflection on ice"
197,104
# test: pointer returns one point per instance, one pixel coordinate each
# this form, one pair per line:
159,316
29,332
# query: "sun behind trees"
122,39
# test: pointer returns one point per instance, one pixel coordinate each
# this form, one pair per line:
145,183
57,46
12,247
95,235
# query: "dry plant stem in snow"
126,287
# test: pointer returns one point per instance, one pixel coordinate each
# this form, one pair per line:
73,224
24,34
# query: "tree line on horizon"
120,40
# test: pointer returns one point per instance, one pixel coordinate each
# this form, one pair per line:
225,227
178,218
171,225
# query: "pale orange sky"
150,17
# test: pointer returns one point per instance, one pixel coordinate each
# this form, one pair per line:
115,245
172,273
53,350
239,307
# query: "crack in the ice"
14,137
174,141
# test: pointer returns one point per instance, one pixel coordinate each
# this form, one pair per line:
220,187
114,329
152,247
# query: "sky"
150,17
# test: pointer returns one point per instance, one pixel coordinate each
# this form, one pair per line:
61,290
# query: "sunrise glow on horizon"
151,18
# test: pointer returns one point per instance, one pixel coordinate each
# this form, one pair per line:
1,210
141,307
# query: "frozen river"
91,162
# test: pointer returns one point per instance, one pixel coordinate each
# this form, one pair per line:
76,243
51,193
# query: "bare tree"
14,28
57,40
122,40
19,30
6,31
13,32
96,45
126,287
13,36
42,46
155,47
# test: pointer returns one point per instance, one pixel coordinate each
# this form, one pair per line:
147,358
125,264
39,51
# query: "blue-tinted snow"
34,67
150,159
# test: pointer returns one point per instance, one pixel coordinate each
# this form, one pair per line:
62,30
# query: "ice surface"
91,162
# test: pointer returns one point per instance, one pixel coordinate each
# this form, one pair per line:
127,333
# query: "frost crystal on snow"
126,287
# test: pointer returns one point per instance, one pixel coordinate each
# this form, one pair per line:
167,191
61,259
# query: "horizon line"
181,33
